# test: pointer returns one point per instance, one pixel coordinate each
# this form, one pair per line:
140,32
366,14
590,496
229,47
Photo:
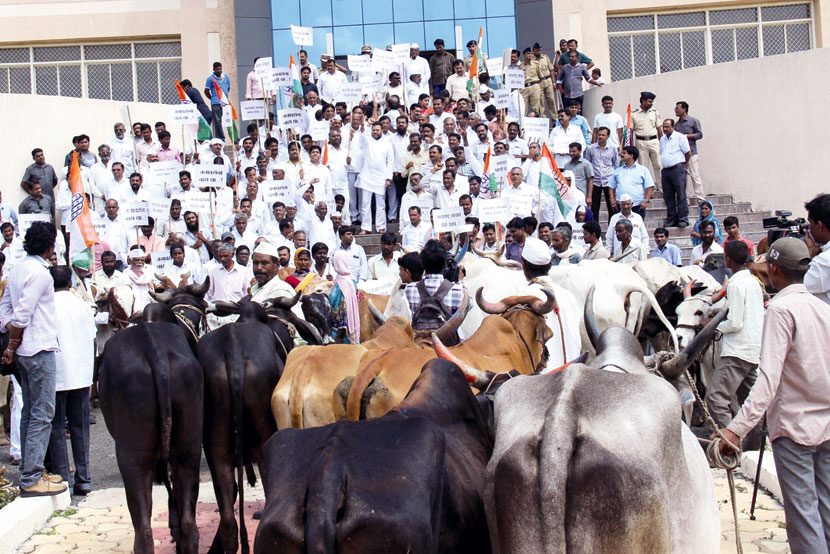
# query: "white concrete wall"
50,122
763,123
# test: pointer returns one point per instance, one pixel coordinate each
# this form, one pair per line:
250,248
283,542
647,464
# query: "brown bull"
513,340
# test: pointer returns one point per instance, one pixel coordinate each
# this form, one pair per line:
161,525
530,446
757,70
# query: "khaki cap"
789,253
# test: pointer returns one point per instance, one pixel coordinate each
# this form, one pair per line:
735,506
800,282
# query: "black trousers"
674,191
72,409
596,200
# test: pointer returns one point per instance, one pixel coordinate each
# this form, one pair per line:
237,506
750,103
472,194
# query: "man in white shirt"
817,279
639,230
320,228
241,234
357,256
708,245
518,187
674,155
628,249
394,88
318,175
532,165
375,179
338,168
122,148
73,378
448,195
439,115
741,344
416,64
457,82
114,232
331,80
416,86
562,135
516,145
415,235
384,266
416,196
482,143
228,281
100,177
136,192
610,119
147,150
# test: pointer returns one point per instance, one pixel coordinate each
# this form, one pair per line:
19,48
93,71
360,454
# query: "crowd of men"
419,144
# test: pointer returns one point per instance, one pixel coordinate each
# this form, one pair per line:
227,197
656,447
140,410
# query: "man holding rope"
792,387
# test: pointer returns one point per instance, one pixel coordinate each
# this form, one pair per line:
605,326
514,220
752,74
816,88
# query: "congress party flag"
82,234
200,130
233,132
296,85
472,82
554,183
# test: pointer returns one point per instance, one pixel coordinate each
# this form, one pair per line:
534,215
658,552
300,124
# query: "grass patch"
782,524
64,513
51,531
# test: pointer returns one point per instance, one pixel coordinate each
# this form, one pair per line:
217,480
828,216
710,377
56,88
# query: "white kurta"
75,322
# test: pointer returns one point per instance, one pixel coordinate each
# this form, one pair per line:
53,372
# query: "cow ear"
137,317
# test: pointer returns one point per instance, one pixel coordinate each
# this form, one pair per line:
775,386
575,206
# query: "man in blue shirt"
633,179
221,80
669,252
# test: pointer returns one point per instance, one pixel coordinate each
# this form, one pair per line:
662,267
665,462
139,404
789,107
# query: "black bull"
409,481
151,391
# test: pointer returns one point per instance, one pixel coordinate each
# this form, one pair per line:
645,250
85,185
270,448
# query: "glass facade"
377,23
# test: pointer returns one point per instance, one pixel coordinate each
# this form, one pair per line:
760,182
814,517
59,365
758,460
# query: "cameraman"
817,279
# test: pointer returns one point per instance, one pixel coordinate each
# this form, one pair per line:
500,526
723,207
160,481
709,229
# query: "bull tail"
235,371
324,502
657,310
299,383
160,369
361,382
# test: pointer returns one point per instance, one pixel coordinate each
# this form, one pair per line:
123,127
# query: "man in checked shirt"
433,260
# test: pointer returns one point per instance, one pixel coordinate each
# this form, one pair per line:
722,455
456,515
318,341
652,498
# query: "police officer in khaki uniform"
532,93
646,124
545,68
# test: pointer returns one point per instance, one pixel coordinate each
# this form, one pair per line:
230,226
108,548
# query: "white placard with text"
400,52
501,98
24,221
350,93
252,109
383,60
448,219
134,214
536,128
495,66
159,258
281,76
159,208
319,130
514,78
494,209
290,118
212,176
521,205
302,36
185,113
274,191
198,202
359,63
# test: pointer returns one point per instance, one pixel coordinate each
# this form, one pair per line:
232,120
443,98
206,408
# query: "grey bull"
595,458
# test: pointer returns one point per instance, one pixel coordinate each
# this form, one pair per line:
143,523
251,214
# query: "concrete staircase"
750,223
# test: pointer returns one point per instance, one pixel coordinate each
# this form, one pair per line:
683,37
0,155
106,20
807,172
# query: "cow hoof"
257,515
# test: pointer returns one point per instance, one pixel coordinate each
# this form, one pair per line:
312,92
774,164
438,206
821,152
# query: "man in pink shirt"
166,152
793,388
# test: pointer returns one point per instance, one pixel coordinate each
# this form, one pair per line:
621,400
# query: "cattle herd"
403,444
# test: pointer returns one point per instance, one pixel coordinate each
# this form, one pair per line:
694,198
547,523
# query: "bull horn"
722,292
163,297
543,307
184,278
477,378
165,281
463,250
455,246
674,367
285,302
376,314
453,323
578,360
591,319
687,292
495,308
201,290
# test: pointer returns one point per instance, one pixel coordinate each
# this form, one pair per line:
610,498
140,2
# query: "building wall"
253,37
586,20
757,139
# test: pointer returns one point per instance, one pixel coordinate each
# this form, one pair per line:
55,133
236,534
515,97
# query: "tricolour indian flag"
82,234
296,85
491,175
198,131
628,139
228,112
554,183
472,82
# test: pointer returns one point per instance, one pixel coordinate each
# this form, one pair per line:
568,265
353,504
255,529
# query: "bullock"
151,393
242,363
513,337
595,458
316,381
410,481
187,302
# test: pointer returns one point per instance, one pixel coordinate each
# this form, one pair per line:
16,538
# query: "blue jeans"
804,476
218,132
37,379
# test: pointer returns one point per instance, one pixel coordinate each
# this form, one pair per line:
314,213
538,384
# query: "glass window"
465,9
122,82
319,46
723,45
283,47
47,80
14,55
410,32
378,36
158,50
731,17
407,10
780,13
636,23
377,11
168,71
20,80
620,51
670,55
57,53
496,8
315,13
694,49
148,81
746,40
284,12
469,31
348,40
644,63
774,40
439,29
4,80
437,9
98,81
347,12
500,34
798,37
675,20
108,52
71,81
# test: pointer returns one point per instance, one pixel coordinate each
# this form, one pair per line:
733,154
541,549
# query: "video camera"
781,226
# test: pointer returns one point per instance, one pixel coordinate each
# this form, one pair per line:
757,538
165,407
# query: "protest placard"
383,60
377,286
371,84
501,98
212,176
290,118
161,177
350,93
198,202
158,259
400,52
185,113
24,221
495,66
521,205
359,63
494,209
100,224
448,219
252,109
319,130
134,214
262,68
536,128
159,208
302,36
280,76
514,78
500,165
273,191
